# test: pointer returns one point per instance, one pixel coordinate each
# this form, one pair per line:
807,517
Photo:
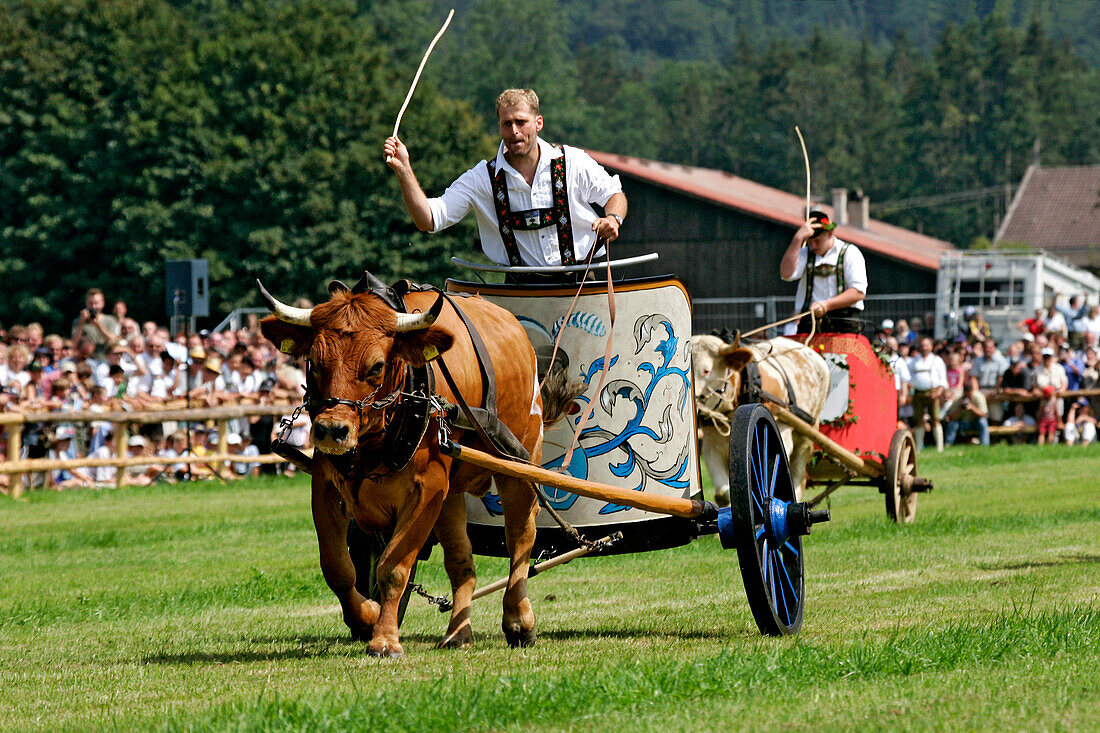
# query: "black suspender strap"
811,273
508,221
811,258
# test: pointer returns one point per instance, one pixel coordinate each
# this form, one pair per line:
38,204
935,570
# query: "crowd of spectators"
1025,387
110,363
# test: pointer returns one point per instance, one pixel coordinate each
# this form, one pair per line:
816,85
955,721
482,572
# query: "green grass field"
202,608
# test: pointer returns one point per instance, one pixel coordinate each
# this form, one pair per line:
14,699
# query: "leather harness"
752,390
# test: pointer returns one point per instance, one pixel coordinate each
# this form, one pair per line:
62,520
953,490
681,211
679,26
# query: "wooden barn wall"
722,253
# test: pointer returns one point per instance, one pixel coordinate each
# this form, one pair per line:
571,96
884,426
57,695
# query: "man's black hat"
821,222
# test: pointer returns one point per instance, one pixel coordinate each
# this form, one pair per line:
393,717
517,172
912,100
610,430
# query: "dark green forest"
249,133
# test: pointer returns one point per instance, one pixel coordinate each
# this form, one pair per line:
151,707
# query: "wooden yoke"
677,507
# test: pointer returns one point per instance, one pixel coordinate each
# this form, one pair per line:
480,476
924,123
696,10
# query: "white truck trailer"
1007,286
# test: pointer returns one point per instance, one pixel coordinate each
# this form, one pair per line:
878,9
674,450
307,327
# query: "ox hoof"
385,651
460,639
517,636
722,497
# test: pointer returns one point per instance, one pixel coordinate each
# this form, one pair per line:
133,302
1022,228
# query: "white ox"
718,368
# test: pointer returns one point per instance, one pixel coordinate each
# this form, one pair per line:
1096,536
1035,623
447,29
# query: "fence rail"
13,423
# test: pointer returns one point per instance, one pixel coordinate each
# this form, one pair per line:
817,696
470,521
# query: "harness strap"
753,389
484,363
512,445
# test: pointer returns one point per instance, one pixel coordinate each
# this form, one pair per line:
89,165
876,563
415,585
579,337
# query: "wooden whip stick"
806,157
420,69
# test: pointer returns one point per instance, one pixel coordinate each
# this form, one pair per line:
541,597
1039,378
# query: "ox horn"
284,312
416,321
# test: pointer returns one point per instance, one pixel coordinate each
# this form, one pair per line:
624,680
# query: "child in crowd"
1048,416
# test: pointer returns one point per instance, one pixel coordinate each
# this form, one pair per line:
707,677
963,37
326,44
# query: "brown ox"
357,346
718,369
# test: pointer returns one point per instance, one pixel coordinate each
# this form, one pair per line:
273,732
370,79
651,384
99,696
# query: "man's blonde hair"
512,97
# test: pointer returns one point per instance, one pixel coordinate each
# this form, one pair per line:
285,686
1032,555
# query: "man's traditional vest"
824,270
509,221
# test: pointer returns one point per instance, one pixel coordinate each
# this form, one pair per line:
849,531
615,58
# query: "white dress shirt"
855,274
927,372
586,181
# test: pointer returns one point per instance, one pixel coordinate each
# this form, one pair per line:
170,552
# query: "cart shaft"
838,452
676,506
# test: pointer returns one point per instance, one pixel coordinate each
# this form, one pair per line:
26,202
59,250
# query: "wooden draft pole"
676,506
419,69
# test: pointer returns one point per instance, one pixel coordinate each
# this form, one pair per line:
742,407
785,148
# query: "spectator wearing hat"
137,445
978,329
831,274
1080,423
241,445
35,389
61,449
177,448
1049,373
261,427
1049,416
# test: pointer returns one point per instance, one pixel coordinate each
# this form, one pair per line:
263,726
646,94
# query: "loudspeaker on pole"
186,288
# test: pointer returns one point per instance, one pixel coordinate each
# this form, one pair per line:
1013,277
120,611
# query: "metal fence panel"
745,314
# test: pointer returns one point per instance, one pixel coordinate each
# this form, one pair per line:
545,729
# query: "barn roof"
1056,209
726,189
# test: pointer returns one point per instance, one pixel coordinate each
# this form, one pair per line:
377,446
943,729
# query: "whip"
416,78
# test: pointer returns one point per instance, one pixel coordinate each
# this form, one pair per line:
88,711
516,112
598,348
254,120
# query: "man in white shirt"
531,201
929,380
831,274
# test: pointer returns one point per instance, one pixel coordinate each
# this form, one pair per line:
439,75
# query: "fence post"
15,447
223,442
122,438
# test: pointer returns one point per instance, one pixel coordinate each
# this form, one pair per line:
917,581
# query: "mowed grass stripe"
205,606
471,703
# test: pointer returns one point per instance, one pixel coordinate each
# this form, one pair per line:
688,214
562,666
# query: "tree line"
249,132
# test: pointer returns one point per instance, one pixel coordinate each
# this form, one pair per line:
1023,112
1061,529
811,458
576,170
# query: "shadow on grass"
1064,560
268,649
264,650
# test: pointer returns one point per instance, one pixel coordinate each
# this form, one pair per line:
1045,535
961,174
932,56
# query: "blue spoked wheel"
766,522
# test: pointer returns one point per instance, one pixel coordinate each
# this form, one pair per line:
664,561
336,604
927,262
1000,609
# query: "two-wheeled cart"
634,469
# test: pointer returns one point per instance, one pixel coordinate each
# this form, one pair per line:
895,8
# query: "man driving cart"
831,274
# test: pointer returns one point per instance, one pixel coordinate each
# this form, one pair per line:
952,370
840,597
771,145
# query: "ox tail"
558,394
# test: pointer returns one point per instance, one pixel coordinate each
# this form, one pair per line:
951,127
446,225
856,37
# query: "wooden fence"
12,423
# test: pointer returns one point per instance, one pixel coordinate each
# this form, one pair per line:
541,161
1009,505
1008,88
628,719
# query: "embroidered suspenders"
812,270
509,221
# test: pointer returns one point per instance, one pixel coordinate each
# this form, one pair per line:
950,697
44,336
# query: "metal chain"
286,423
443,602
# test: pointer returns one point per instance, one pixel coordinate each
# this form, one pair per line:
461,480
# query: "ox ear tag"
430,352
286,346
